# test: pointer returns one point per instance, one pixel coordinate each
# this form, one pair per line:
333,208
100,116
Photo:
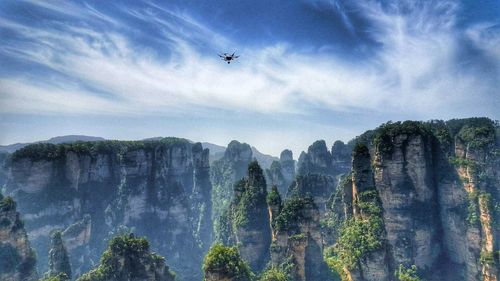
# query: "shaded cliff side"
58,257
17,259
246,221
160,189
224,173
319,160
281,173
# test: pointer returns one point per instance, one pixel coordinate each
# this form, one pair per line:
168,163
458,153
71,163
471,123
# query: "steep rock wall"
159,189
438,185
17,259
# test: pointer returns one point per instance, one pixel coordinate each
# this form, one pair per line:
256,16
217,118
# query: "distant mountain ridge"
55,140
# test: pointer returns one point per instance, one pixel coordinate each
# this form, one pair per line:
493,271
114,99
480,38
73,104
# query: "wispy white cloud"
415,70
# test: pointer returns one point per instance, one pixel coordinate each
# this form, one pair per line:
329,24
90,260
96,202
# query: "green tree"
128,258
226,261
274,274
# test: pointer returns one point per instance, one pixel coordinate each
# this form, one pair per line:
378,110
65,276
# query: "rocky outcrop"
297,240
282,172
158,188
429,214
468,191
317,160
58,257
317,186
287,165
17,259
274,177
224,173
248,219
128,258
341,158
320,171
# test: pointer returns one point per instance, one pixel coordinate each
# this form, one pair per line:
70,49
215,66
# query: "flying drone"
228,58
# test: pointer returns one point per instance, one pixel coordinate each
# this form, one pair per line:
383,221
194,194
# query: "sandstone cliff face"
17,259
282,173
341,158
58,257
287,166
297,240
225,172
405,181
319,187
158,188
437,194
468,193
248,219
318,160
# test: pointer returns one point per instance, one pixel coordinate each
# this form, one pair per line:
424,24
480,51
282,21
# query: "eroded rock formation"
17,259
128,258
436,183
160,189
247,219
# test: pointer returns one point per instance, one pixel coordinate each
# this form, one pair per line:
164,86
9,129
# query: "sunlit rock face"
297,240
17,259
437,184
159,189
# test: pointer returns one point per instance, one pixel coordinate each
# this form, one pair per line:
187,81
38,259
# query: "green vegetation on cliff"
488,258
273,197
477,132
7,204
249,201
248,213
274,274
385,134
245,204
358,236
224,174
291,214
226,262
58,277
48,151
128,258
407,274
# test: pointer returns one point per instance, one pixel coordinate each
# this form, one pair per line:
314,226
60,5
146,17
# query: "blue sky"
309,69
